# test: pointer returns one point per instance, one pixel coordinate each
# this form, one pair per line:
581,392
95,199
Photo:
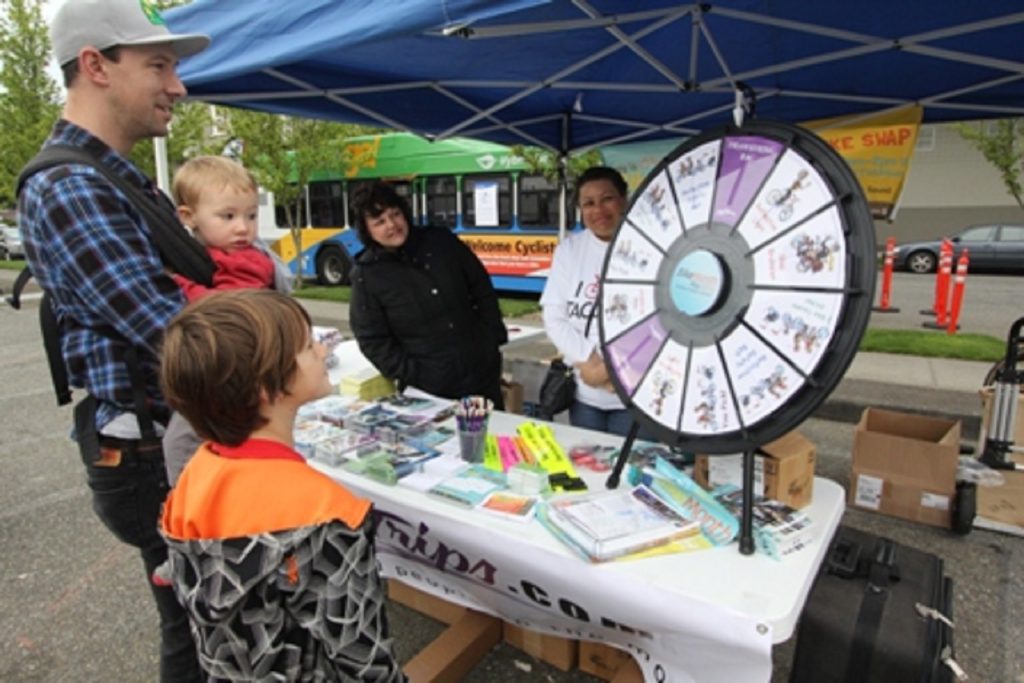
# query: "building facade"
950,186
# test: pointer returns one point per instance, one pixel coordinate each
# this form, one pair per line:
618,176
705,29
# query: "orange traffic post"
942,282
890,257
944,246
958,292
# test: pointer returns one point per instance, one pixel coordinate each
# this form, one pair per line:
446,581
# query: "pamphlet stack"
610,524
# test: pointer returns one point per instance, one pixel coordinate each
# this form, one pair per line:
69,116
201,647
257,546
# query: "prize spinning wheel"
737,289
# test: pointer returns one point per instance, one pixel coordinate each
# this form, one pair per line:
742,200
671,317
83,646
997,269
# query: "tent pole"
163,176
563,175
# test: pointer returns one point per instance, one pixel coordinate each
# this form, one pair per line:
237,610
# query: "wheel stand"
999,442
746,537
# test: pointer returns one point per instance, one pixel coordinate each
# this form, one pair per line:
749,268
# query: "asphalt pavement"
76,607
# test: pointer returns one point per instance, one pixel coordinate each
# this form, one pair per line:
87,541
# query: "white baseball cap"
106,23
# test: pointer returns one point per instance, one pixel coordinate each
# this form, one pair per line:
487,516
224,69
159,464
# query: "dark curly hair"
372,202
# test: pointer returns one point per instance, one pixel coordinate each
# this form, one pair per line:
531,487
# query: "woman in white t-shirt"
571,294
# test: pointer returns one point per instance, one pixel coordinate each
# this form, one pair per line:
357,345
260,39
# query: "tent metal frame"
480,121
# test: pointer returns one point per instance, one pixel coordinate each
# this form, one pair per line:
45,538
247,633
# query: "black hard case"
860,623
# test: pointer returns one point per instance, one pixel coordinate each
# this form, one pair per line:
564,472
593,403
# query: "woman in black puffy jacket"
423,309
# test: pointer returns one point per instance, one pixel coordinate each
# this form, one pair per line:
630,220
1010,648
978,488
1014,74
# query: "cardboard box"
558,652
784,470
1003,504
512,394
608,663
986,394
904,465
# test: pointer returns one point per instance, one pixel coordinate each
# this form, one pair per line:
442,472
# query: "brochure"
470,486
387,462
692,502
779,529
340,449
509,505
609,524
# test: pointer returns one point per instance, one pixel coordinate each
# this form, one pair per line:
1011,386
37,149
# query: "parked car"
10,243
989,247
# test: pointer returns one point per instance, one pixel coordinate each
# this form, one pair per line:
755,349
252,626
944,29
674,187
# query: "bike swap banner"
878,148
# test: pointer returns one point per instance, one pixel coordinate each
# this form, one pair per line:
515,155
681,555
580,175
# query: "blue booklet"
471,486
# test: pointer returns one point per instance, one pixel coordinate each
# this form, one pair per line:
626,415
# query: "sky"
49,9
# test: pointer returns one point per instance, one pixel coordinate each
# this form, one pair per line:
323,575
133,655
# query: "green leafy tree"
1002,143
29,97
283,153
546,163
189,136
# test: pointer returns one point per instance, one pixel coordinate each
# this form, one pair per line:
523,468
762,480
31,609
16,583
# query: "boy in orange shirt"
273,561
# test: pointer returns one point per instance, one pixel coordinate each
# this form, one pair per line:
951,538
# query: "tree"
1002,143
283,153
29,97
188,137
544,162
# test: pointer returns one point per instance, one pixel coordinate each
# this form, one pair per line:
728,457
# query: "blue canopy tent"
572,74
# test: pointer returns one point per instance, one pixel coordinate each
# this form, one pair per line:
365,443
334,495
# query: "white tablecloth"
705,616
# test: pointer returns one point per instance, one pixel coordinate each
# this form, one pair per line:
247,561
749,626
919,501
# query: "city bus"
481,191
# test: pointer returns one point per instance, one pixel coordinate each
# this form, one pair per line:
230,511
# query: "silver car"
10,243
989,247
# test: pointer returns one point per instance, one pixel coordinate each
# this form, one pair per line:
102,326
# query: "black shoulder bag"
558,390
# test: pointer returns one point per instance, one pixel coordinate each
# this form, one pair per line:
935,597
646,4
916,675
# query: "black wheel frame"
858,291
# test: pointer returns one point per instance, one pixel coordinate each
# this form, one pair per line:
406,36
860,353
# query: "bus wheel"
332,267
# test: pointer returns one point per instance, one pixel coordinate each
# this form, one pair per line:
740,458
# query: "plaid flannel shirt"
89,247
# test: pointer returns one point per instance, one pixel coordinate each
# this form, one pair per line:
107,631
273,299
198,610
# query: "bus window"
325,205
471,185
354,188
404,190
538,202
281,214
441,201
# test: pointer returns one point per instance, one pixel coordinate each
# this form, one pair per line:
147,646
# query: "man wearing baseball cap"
90,245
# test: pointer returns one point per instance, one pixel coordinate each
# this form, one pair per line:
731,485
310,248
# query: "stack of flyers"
686,497
427,436
508,505
367,420
367,384
608,524
388,462
309,433
425,407
644,453
778,528
339,450
393,429
470,486
333,409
